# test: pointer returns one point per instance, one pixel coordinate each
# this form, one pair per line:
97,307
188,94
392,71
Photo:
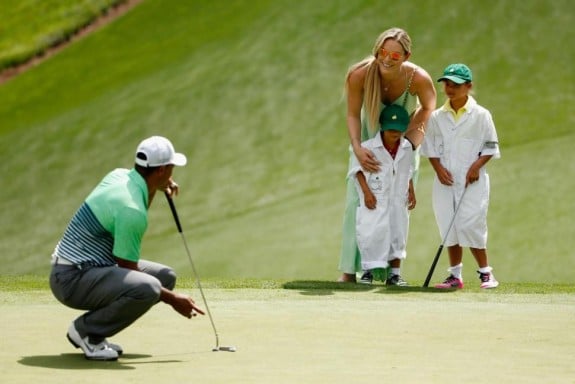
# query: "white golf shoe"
115,347
102,351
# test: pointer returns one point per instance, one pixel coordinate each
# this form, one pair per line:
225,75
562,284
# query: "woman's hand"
367,160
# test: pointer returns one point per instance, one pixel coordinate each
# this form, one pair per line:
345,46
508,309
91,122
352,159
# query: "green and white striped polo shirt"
111,222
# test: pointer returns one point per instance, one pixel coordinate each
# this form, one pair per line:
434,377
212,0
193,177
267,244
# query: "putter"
177,220
436,258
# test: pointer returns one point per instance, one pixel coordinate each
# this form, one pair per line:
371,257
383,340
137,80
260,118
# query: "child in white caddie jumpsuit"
382,219
459,141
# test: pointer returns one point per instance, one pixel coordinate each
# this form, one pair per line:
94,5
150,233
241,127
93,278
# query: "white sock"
395,271
487,269
457,270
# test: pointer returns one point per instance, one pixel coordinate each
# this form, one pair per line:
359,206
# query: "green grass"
26,283
30,27
306,336
251,92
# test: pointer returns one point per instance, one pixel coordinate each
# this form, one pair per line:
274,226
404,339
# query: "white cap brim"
179,159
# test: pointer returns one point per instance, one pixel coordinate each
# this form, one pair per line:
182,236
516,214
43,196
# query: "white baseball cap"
156,151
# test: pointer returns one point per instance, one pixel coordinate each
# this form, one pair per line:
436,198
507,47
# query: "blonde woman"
385,77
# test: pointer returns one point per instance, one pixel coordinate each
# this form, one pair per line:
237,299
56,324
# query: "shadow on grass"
325,288
71,361
395,290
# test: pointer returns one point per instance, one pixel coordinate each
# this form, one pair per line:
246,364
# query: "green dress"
350,258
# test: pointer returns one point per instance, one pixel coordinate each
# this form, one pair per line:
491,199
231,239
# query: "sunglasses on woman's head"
395,56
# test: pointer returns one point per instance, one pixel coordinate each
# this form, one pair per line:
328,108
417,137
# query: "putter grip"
174,212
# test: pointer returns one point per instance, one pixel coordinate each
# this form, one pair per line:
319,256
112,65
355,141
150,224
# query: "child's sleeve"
354,165
490,141
428,147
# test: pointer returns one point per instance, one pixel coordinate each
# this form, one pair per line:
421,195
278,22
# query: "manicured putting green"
305,336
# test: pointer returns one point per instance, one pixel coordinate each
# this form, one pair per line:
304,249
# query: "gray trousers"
114,297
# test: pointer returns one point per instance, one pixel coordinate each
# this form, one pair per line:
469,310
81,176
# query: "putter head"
224,349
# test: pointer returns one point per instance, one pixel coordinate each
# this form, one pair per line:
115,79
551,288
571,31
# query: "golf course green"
308,336
251,92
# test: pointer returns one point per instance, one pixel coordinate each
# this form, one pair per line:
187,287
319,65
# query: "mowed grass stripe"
256,104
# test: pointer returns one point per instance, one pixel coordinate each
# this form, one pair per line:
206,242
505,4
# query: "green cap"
458,73
394,118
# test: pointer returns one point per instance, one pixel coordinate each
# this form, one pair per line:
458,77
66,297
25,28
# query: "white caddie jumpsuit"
458,145
382,232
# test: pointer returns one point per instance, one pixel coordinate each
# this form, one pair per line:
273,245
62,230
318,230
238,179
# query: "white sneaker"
115,347
487,280
102,351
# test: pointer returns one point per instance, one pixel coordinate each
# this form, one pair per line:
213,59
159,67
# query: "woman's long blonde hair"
372,83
